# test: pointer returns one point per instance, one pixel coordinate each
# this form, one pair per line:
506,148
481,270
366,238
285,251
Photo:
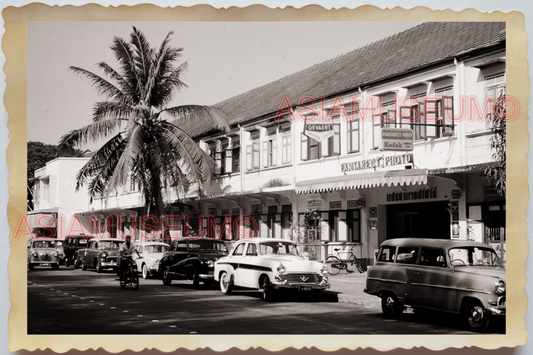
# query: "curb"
370,302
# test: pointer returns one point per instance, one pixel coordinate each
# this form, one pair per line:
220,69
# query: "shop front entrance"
418,220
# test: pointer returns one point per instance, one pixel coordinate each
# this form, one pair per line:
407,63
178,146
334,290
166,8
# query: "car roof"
429,242
107,240
198,239
260,240
150,243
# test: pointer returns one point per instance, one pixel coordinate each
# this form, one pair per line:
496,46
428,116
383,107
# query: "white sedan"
150,254
269,264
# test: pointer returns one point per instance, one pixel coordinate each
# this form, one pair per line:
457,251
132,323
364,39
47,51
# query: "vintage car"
191,259
269,264
454,276
148,257
71,245
44,252
100,254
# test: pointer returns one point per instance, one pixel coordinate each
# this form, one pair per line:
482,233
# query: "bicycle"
129,275
335,263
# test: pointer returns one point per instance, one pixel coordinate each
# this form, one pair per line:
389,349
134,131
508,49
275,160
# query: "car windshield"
155,248
208,245
283,248
44,244
108,245
474,256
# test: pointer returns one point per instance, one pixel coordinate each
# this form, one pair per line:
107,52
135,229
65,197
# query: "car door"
177,256
249,266
236,262
428,284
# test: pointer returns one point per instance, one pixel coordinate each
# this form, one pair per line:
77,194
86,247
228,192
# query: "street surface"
68,301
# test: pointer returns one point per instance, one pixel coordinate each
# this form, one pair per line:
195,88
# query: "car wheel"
269,293
55,266
476,318
83,267
166,277
391,306
67,262
145,271
226,284
195,280
30,266
76,264
98,267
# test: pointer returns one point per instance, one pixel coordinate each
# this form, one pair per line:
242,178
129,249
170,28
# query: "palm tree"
154,152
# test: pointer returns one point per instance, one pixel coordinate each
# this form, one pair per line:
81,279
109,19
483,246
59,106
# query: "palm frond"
125,56
92,132
143,54
103,86
111,109
127,90
194,113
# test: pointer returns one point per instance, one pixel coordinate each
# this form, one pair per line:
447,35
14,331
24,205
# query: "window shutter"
422,117
448,112
377,123
303,150
256,157
324,147
336,139
274,152
265,154
432,117
249,155
229,161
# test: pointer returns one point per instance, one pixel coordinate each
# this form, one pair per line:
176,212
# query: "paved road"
68,301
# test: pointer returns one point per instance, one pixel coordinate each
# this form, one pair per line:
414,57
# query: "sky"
225,59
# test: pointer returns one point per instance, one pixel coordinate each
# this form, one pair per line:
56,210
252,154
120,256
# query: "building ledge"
478,134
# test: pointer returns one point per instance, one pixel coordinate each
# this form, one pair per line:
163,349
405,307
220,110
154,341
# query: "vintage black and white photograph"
226,178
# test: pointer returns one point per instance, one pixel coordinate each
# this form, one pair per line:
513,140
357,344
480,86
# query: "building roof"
422,46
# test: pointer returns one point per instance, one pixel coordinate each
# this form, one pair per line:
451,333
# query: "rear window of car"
433,257
387,254
407,255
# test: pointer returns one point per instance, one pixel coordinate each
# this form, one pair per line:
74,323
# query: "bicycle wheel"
122,279
334,265
134,279
354,264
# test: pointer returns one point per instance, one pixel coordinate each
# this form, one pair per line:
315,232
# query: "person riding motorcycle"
125,252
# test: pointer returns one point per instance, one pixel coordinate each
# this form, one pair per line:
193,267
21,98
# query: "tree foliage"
146,140
496,171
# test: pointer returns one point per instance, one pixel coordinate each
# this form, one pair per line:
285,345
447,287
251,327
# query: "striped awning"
364,180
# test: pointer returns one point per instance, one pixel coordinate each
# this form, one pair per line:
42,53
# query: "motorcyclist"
125,252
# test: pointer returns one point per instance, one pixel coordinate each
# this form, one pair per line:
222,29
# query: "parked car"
100,254
191,259
71,245
44,252
150,253
454,276
269,264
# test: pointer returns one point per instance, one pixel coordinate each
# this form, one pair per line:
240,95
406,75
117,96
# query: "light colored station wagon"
453,276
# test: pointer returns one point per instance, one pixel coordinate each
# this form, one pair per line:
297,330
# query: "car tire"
269,293
226,284
30,266
476,318
145,271
83,267
55,266
195,279
67,262
166,277
391,306
98,267
76,264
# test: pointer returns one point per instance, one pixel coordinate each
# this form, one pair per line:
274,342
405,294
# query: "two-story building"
389,140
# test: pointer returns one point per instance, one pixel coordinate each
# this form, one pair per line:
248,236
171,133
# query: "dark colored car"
100,254
72,244
192,259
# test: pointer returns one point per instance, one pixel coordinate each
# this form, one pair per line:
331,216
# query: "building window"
353,220
286,148
439,109
312,149
494,88
270,152
352,128
235,153
286,216
384,115
412,116
252,154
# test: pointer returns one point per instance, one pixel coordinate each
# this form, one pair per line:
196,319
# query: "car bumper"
301,281
108,264
300,286
209,275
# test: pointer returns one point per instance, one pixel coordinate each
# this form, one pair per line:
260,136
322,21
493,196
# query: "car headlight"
209,263
54,253
35,253
103,255
281,269
500,287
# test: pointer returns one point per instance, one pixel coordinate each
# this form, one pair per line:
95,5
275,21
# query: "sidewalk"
349,289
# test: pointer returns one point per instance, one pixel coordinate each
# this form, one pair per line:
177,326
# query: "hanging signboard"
318,131
397,139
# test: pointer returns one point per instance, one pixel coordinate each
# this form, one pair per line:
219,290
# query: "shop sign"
423,194
380,162
397,139
318,131
314,203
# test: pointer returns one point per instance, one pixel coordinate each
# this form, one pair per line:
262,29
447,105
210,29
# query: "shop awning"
364,180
